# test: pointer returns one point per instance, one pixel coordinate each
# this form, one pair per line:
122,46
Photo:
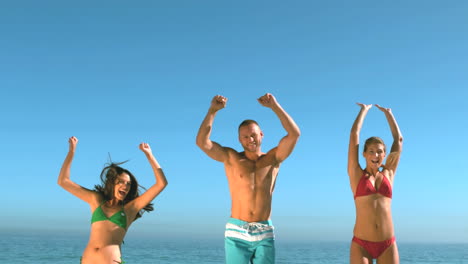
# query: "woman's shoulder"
97,199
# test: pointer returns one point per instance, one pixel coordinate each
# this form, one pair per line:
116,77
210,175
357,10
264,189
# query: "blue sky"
114,74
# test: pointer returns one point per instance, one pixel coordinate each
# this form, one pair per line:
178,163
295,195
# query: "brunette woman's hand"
72,142
145,147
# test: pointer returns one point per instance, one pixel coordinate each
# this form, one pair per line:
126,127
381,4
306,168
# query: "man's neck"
253,156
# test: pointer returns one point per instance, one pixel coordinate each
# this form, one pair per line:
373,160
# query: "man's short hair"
247,122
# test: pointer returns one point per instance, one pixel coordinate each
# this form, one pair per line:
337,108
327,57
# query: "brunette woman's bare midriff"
103,248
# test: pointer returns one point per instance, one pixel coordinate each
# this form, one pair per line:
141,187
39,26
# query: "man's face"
250,137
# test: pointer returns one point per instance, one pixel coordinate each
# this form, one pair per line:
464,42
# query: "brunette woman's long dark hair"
108,180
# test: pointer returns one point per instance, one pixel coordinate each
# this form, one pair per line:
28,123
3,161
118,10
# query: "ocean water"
65,249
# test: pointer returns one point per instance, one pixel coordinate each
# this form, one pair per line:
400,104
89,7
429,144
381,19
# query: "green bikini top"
119,218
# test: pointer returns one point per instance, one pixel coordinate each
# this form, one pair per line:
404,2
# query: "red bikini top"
365,187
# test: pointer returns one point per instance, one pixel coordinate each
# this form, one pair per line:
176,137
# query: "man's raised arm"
211,148
287,143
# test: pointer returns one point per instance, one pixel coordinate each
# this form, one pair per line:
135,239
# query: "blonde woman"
374,236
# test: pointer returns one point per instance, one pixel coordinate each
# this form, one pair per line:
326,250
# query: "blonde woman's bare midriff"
373,218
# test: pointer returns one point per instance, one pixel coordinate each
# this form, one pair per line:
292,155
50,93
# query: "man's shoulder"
231,150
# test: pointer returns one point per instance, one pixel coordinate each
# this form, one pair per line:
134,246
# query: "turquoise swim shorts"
246,243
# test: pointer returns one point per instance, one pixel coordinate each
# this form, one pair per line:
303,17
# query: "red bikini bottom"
375,249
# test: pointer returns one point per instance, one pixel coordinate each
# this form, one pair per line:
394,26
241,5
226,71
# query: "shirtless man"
251,176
